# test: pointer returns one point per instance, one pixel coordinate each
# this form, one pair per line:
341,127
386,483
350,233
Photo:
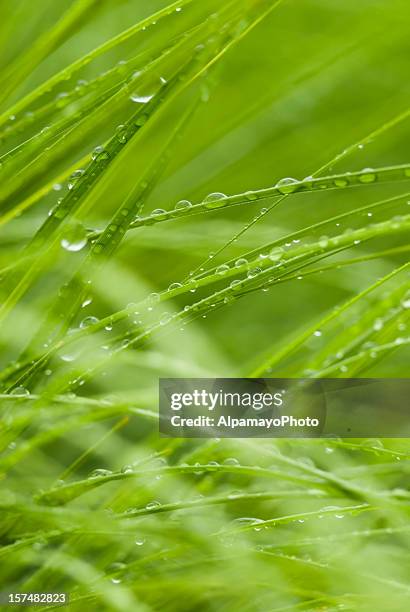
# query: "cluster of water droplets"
289,185
285,186
211,201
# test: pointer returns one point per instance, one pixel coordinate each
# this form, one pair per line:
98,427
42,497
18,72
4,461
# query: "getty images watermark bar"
284,407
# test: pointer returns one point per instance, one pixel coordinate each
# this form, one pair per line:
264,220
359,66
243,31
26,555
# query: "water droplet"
127,469
367,175
254,272
247,520
139,542
81,85
330,509
115,568
141,99
231,461
19,392
406,303
141,120
159,213
323,242
250,195
200,470
287,185
100,154
174,286
88,321
62,99
183,205
372,443
215,200
317,333
258,524
241,262
77,174
235,284
74,239
122,136
341,182
68,357
152,505
166,318
378,324
154,298
276,254
99,473
222,269
308,180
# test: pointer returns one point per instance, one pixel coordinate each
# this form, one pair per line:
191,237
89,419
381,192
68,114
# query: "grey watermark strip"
17,598
284,407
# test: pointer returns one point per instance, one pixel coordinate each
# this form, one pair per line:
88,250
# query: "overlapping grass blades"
102,160
45,45
314,284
